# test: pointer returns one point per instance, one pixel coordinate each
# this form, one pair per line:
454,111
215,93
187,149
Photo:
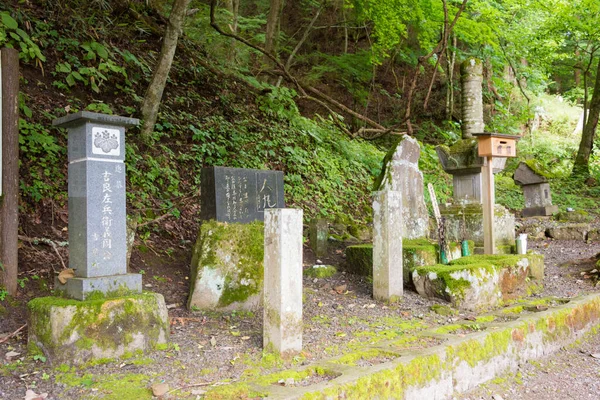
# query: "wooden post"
489,199
9,207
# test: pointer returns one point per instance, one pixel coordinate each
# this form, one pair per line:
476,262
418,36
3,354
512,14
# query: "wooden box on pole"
492,145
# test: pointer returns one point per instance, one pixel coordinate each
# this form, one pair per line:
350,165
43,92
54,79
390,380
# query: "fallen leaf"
159,389
245,337
235,333
31,395
198,392
213,341
595,355
11,354
340,289
66,274
371,305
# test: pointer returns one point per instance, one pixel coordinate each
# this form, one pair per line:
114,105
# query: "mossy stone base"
480,282
227,267
75,332
466,221
416,253
569,232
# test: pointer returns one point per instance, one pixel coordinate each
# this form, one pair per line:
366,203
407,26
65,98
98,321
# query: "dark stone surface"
526,176
240,195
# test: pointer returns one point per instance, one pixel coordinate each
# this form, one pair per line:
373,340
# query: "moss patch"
320,271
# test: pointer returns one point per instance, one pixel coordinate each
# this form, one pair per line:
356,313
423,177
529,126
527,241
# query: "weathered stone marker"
240,195
536,189
282,326
318,234
401,173
97,219
387,246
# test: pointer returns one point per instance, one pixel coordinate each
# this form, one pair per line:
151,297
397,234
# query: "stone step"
481,282
456,362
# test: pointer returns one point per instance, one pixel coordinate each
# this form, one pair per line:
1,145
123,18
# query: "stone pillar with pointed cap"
97,217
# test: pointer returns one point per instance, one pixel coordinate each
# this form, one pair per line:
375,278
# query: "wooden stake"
489,199
9,207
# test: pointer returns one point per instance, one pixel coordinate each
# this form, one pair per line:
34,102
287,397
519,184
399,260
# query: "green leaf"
63,67
27,111
8,21
70,79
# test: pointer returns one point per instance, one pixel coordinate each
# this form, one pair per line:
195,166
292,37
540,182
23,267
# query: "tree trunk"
161,71
272,29
581,166
9,208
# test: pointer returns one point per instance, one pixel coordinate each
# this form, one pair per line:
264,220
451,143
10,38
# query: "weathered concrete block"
568,232
401,173
318,234
282,322
227,266
415,253
75,332
387,246
466,221
593,235
480,282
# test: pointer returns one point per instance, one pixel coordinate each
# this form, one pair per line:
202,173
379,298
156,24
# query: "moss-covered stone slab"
227,267
480,282
74,332
416,252
569,232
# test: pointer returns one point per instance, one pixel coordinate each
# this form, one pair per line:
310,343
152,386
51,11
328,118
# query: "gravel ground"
340,315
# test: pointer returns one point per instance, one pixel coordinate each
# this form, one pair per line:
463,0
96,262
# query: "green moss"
539,169
474,351
485,319
385,172
110,387
367,355
574,216
443,310
320,271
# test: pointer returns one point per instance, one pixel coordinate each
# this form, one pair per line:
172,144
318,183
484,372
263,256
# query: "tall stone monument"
97,218
107,315
536,189
401,174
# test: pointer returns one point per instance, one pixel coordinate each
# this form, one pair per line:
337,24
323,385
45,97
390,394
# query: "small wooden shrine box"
497,145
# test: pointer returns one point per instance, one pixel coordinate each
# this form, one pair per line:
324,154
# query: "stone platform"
75,332
416,253
478,283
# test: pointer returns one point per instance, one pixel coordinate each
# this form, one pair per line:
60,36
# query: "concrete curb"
456,365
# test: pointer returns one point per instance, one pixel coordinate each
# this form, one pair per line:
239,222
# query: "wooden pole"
489,199
9,206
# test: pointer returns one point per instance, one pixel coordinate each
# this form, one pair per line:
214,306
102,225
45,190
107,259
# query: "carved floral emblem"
106,141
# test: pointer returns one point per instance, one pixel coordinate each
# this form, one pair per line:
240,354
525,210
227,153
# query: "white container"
522,244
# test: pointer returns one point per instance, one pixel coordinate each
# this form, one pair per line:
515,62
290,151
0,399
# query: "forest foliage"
322,101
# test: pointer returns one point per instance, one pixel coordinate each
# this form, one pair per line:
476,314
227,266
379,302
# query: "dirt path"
208,348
